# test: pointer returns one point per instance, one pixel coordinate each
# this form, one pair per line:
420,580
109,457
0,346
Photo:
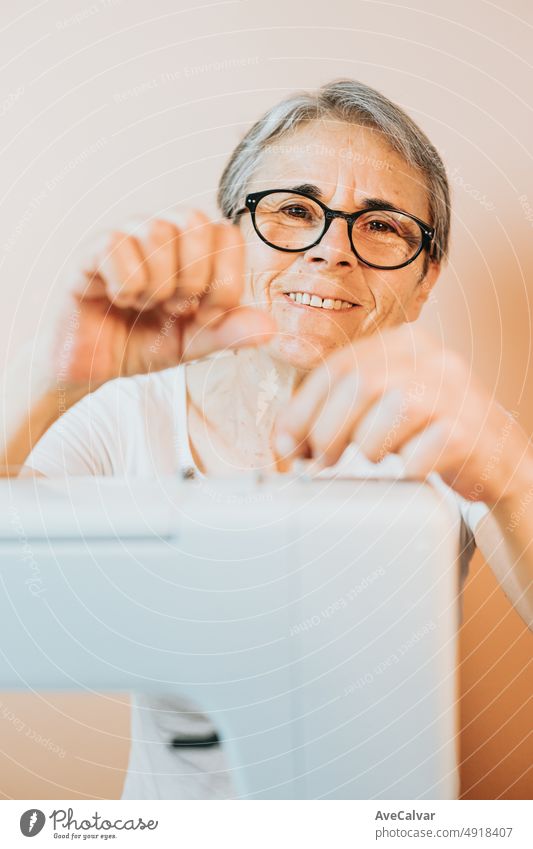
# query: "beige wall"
112,107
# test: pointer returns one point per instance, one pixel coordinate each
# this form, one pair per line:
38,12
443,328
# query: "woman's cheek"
261,284
257,289
388,301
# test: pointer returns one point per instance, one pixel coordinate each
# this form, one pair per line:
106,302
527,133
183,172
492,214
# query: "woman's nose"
334,249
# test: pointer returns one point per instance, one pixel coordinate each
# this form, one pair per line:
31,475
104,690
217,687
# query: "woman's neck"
264,384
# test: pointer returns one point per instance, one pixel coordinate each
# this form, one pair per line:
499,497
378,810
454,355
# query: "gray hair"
352,102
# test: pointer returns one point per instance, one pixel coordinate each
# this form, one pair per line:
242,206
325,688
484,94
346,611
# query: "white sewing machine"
314,620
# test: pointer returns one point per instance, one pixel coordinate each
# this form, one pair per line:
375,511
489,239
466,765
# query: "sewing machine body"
314,621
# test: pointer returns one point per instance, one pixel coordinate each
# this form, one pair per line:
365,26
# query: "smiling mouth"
307,300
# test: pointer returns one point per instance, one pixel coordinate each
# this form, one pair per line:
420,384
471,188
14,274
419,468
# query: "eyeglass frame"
252,200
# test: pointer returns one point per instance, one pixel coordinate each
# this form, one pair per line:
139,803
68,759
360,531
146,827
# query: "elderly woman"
337,211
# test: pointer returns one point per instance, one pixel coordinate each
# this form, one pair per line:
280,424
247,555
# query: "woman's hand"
399,392
151,296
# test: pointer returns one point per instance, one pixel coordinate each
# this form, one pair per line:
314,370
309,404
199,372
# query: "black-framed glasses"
294,221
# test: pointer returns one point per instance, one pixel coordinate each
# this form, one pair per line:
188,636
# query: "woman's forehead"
343,160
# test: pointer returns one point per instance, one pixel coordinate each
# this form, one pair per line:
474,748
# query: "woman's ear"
423,290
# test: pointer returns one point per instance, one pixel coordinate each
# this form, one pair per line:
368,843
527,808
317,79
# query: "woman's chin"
302,352
307,335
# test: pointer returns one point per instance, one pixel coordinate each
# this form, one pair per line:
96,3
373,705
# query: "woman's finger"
437,448
294,424
241,327
160,250
194,260
225,289
335,420
123,270
394,419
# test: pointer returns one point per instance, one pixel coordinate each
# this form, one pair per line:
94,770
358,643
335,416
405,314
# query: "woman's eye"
380,226
295,211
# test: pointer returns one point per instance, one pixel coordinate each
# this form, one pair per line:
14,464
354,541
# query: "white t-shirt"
137,427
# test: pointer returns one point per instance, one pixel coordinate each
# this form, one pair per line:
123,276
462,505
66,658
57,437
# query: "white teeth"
317,301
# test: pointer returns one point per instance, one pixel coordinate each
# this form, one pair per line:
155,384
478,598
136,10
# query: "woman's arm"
146,301
400,392
505,537
30,405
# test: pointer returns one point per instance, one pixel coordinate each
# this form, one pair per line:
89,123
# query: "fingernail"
284,444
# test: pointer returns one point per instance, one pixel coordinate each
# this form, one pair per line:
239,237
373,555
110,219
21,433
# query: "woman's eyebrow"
379,203
308,189
368,203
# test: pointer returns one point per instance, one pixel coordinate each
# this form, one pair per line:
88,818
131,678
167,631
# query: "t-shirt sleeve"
471,513
467,520
84,440
490,539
